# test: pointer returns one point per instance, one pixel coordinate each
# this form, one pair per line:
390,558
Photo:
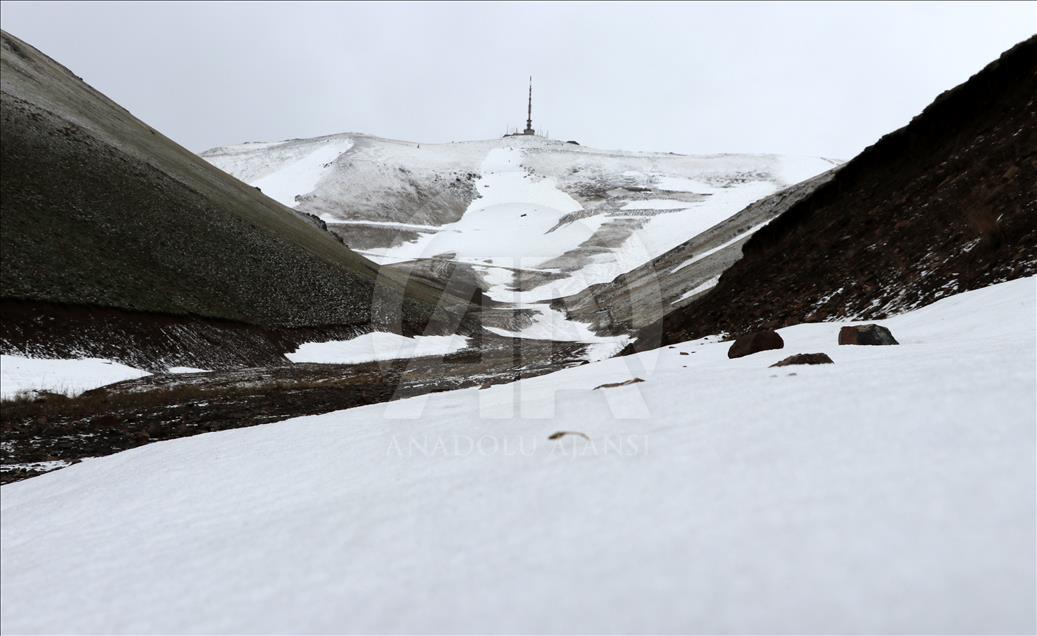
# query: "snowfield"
19,375
291,168
891,492
376,346
510,222
301,176
552,324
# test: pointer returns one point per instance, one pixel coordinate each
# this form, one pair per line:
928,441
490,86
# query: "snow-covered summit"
568,214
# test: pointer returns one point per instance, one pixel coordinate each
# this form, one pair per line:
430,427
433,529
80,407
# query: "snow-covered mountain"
535,218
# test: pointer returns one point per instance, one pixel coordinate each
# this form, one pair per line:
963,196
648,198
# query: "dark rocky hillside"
944,205
99,212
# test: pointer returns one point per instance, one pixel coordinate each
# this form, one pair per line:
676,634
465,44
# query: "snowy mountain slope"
890,492
536,218
648,292
377,180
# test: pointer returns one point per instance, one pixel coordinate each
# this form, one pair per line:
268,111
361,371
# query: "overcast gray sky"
796,78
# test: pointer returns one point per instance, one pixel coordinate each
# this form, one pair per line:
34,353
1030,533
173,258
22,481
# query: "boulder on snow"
755,342
866,335
804,358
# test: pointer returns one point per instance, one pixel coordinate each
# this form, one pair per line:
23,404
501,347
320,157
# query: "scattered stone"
612,385
866,335
561,434
804,358
754,343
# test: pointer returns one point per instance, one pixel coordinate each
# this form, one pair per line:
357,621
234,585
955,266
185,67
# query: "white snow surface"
552,324
698,289
377,345
890,492
509,223
19,374
286,170
655,204
186,370
714,250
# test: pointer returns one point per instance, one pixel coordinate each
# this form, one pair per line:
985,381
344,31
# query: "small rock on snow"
804,358
561,434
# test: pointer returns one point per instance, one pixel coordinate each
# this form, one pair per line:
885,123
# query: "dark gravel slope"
100,210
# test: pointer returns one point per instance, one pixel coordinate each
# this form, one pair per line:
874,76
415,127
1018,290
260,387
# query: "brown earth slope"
944,205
